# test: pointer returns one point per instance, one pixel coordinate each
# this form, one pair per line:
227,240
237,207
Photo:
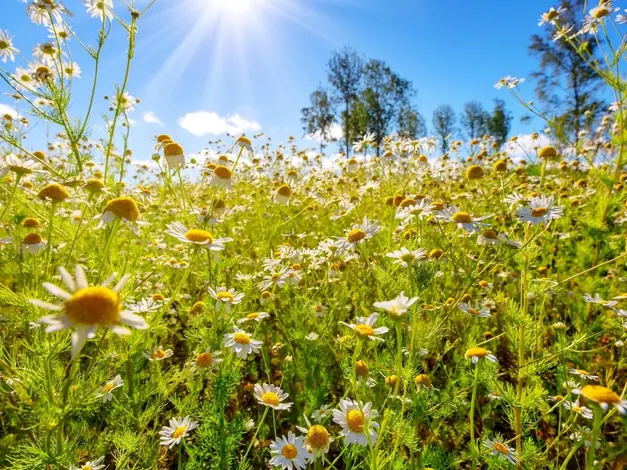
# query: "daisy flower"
490,237
317,439
241,343
12,162
540,211
598,300
464,220
222,178
33,243
406,257
477,311
398,307
272,396
356,419
504,451
225,297
174,155
575,407
207,359
40,12
243,143
602,396
158,354
583,374
7,50
125,208
86,308
283,194
364,327
479,353
361,232
551,16
254,316
177,430
289,452
321,413
196,236
105,391
91,465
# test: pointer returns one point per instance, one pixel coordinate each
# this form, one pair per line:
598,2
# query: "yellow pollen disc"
158,297
124,207
266,294
490,234
31,222
474,172
600,394
243,140
47,49
93,306
355,421
223,172
318,437
158,354
252,316
94,184
204,360
473,311
462,218
107,388
364,330
422,379
355,235
284,190
172,150
32,239
198,236
241,338
270,398
539,212
437,206
87,467
477,352
577,409
54,192
178,432
163,138
600,12
407,257
289,451
500,448
436,253
225,296
550,16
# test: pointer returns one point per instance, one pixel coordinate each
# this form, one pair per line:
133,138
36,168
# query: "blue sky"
260,59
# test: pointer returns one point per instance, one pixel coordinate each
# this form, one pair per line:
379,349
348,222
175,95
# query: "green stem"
252,441
473,400
596,427
6,208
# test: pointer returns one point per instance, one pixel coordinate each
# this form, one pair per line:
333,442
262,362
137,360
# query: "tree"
344,71
411,124
383,97
565,83
474,120
500,122
318,119
443,122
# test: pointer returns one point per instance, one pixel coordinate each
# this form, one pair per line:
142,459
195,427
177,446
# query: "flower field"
268,306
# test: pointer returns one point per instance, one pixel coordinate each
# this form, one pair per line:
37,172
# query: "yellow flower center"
600,394
252,316
172,150
539,212
55,192
225,296
318,437
123,207
355,421
199,236
108,387
500,448
47,49
600,12
289,451
551,15
241,338
32,239
477,352
270,398
284,191
462,218
94,184
31,222
43,73
422,379
93,306
178,432
408,257
158,297
158,354
163,138
577,409
489,234
474,172
4,45
204,360
244,141
436,253
223,172
356,235
473,311
364,330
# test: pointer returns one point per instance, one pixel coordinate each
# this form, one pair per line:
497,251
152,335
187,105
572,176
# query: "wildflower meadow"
396,300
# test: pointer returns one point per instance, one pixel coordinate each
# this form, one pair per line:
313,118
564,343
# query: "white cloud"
6,109
525,146
151,118
336,133
208,122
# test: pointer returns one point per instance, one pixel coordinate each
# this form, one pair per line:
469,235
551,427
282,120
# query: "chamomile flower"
357,422
196,236
158,354
13,163
7,49
289,452
602,396
123,208
241,343
397,307
272,396
91,465
598,300
243,143
501,449
33,243
583,374
178,429
222,178
552,16
364,328
476,353
541,210
225,298
254,316
174,155
321,413
361,232
207,359
86,308
405,257
477,311
491,237
464,220
107,389
317,439
576,407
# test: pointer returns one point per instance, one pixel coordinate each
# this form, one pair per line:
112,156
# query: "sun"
234,8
